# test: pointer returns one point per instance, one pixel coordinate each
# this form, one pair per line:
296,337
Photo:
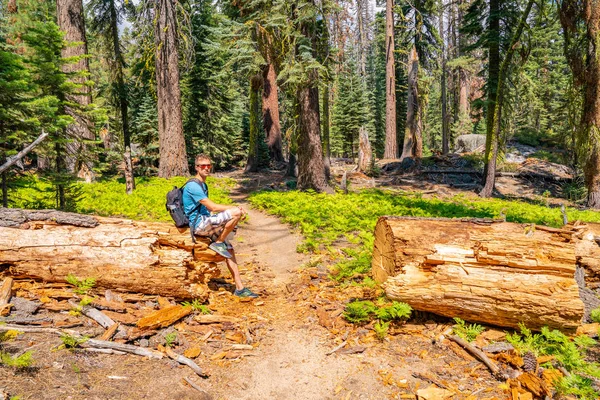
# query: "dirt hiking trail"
291,343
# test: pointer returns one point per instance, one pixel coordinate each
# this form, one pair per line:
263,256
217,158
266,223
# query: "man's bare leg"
234,270
236,215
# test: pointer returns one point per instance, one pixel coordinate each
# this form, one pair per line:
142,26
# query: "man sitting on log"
213,220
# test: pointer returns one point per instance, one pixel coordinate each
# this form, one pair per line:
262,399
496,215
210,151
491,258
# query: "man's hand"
244,213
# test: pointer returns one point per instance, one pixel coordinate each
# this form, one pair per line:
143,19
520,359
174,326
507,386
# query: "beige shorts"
212,226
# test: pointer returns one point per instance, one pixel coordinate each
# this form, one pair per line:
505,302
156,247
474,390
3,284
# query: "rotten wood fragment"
215,319
110,332
164,317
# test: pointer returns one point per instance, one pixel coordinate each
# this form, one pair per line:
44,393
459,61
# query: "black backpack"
175,205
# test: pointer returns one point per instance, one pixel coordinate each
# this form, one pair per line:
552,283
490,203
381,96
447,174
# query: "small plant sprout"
83,286
197,306
8,335
467,332
359,312
170,339
595,315
381,329
70,342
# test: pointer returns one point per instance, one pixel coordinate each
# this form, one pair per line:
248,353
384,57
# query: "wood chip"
215,319
110,332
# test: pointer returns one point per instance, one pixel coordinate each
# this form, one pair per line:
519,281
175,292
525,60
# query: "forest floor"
291,343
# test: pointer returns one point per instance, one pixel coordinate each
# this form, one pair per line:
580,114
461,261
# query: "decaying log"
479,270
126,255
164,317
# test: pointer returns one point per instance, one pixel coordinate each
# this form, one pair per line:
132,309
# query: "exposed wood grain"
164,317
480,270
133,256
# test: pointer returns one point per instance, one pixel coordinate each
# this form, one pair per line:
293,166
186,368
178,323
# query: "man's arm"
214,207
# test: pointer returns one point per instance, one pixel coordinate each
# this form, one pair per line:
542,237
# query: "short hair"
202,156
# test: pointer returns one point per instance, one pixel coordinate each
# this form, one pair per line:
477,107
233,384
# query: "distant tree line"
138,88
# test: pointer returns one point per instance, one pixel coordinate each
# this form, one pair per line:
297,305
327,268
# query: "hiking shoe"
220,248
245,292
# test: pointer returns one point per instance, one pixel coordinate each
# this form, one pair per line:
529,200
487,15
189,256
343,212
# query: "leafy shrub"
25,360
467,332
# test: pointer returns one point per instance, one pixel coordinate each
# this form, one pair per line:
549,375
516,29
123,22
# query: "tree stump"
485,271
121,254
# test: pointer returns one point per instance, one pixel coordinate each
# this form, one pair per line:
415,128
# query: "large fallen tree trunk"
136,256
487,271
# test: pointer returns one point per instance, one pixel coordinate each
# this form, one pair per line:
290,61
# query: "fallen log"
120,254
484,270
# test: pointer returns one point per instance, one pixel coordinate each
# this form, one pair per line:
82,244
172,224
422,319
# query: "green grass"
347,221
108,198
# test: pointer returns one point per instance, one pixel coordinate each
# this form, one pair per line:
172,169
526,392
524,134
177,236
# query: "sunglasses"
205,166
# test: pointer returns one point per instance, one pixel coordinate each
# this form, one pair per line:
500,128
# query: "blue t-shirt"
192,194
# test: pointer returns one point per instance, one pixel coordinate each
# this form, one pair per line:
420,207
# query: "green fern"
381,329
197,306
9,335
595,315
359,312
467,332
396,311
71,342
83,286
25,360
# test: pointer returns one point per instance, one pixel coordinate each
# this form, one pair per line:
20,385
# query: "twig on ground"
430,379
336,348
185,361
198,388
480,355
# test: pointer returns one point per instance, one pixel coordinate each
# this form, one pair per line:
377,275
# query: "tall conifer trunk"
311,169
585,65
444,99
270,113
173,159
254,142
491,148
391,146
71,20
413,137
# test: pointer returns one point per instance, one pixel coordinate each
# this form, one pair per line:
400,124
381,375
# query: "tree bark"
326,130
270,112
391,146
591,104
311,170
497,273
254,142
71,20
413,137
135,256
173,158
365,154
443,95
